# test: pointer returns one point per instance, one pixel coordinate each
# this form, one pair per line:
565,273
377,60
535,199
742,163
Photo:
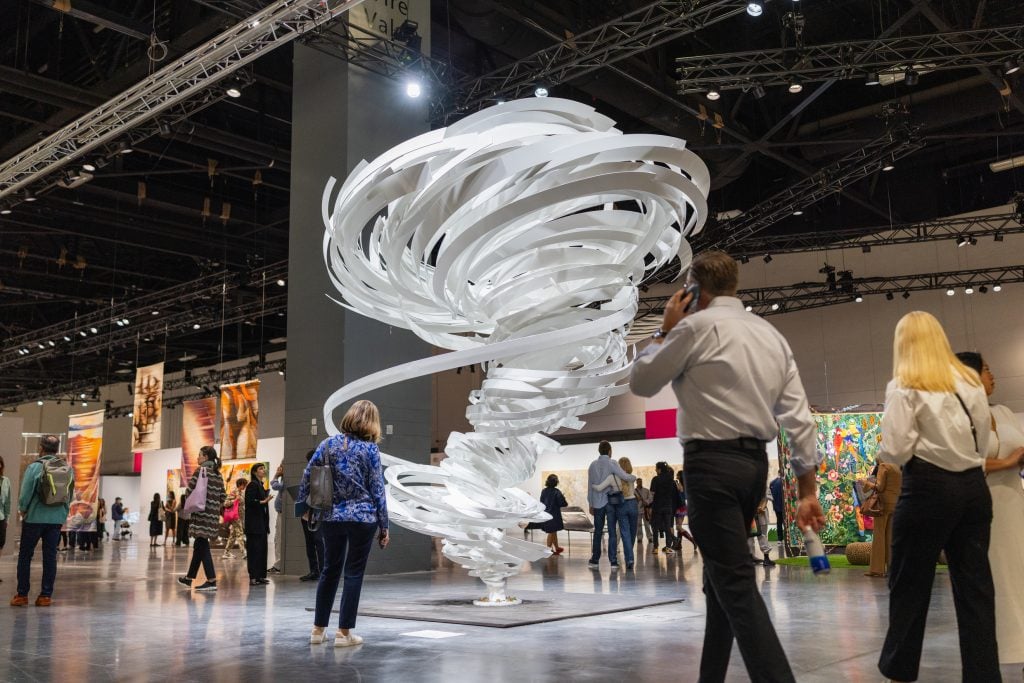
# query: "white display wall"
156,463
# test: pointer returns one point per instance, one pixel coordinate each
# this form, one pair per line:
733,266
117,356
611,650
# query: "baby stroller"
125,526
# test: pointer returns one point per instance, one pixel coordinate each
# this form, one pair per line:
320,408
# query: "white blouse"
1009,435
934,427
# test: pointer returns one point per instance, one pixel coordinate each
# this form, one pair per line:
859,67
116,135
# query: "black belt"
744,443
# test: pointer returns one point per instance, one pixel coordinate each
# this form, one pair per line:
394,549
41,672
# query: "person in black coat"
553,502
257,525
663,510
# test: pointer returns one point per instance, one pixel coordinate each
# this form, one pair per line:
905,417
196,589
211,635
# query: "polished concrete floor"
119,615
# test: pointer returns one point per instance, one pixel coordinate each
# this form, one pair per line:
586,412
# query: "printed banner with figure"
85,443
149,389
197,430
239,419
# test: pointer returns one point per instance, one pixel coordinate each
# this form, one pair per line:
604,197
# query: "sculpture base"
507,601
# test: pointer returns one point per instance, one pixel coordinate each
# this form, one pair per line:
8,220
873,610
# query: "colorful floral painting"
847,443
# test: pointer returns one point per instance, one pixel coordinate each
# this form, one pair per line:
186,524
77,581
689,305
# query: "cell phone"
695,290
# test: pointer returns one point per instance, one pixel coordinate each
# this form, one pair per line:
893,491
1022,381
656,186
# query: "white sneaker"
317,637
346,641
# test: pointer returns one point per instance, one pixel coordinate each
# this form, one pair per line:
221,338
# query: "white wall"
130,491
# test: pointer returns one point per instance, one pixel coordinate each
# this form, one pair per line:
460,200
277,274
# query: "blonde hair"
362,421
627,487
922,357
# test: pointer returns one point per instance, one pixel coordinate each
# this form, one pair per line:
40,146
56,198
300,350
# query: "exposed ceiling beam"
98,15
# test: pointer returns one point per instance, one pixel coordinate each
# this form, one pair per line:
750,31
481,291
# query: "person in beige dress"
1003,463
888,481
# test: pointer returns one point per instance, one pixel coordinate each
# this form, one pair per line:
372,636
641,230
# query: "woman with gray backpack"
204,499
342,490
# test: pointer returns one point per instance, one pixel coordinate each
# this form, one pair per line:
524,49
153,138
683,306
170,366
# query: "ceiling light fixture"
413,89
866,248
962,241
88,166
889,296
749,308
767,258
759,92
950,292
798,212
983,289
997,287
196,326
713,94
67,338
94,330
795,87
82,332
998,237
29,197
911,77
969,290
1010,66
755,9
906,295
6,211
775,307
39,403
540,91
281,283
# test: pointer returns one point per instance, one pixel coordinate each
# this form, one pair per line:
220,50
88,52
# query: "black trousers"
723,488
201,555
940,510
314,547
256,558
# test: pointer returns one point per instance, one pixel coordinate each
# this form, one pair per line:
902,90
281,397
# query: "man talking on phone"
736,381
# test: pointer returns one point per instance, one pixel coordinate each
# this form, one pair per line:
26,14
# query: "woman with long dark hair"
553,501
257,525
937,425
170,516
156,524
204,525
359,512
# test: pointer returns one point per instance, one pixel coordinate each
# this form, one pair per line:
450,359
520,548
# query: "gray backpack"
55,482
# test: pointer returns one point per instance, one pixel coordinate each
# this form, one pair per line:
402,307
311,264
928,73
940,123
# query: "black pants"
201,554
314,548
940,510
662,521
256,558
723,488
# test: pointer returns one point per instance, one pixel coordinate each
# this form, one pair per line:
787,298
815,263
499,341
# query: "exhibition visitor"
680,514
234,518
1003,463
181,537
42,515
277,485
170,516
5,506
888,482
117,513
553,501
626,513
314,540
101,520
779,507
736,382
664,497
644,501
257,525
359,511
605,503
936,426
759,534
155,519
204,525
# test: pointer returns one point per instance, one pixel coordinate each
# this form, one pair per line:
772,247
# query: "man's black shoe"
309,577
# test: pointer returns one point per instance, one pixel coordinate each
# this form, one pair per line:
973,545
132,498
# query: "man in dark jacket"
779,505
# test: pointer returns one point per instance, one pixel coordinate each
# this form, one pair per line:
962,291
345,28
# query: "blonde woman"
349,527
1004,460
629,511
937,425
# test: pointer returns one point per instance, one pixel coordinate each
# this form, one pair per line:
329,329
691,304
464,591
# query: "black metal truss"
995,225
853,59
653,24
200,385
805,295
178,308
865,161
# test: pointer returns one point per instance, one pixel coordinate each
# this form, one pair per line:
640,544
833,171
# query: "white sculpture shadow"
516,238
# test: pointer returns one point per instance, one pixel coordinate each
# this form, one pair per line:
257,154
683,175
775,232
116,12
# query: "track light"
94,330
124,148
798,212
911,77
744,259
969,290
755,9
88,166
749,308
983,289
906,295
775,307
758,91
1010,66
82,332
234,87
997,287
196,326
5,211
950,292
872,78
962,241
998,237
713,94
51,342
119,323
858,298
866,248
280,282
540,91
413,89
39,403
67,338
29,197
767,258
795,87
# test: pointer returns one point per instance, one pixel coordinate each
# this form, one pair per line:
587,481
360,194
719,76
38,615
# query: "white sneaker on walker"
347,641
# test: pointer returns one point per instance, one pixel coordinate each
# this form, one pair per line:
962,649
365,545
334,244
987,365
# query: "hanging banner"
197,430
85,443
239,419
149,389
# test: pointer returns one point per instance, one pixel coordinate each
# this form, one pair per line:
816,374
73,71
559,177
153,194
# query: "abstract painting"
85,444
239,419
146,414
197,430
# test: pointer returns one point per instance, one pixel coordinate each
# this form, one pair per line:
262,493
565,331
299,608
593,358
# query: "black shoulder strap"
974,431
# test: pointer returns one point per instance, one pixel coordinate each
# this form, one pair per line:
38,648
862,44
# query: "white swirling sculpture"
516,238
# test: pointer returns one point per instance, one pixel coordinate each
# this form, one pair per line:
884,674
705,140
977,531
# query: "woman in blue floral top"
360,510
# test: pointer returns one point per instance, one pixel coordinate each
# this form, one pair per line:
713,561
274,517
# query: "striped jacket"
206,524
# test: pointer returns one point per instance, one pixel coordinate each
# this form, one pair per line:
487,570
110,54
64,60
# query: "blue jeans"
611,513
30,535
346,546
628,517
